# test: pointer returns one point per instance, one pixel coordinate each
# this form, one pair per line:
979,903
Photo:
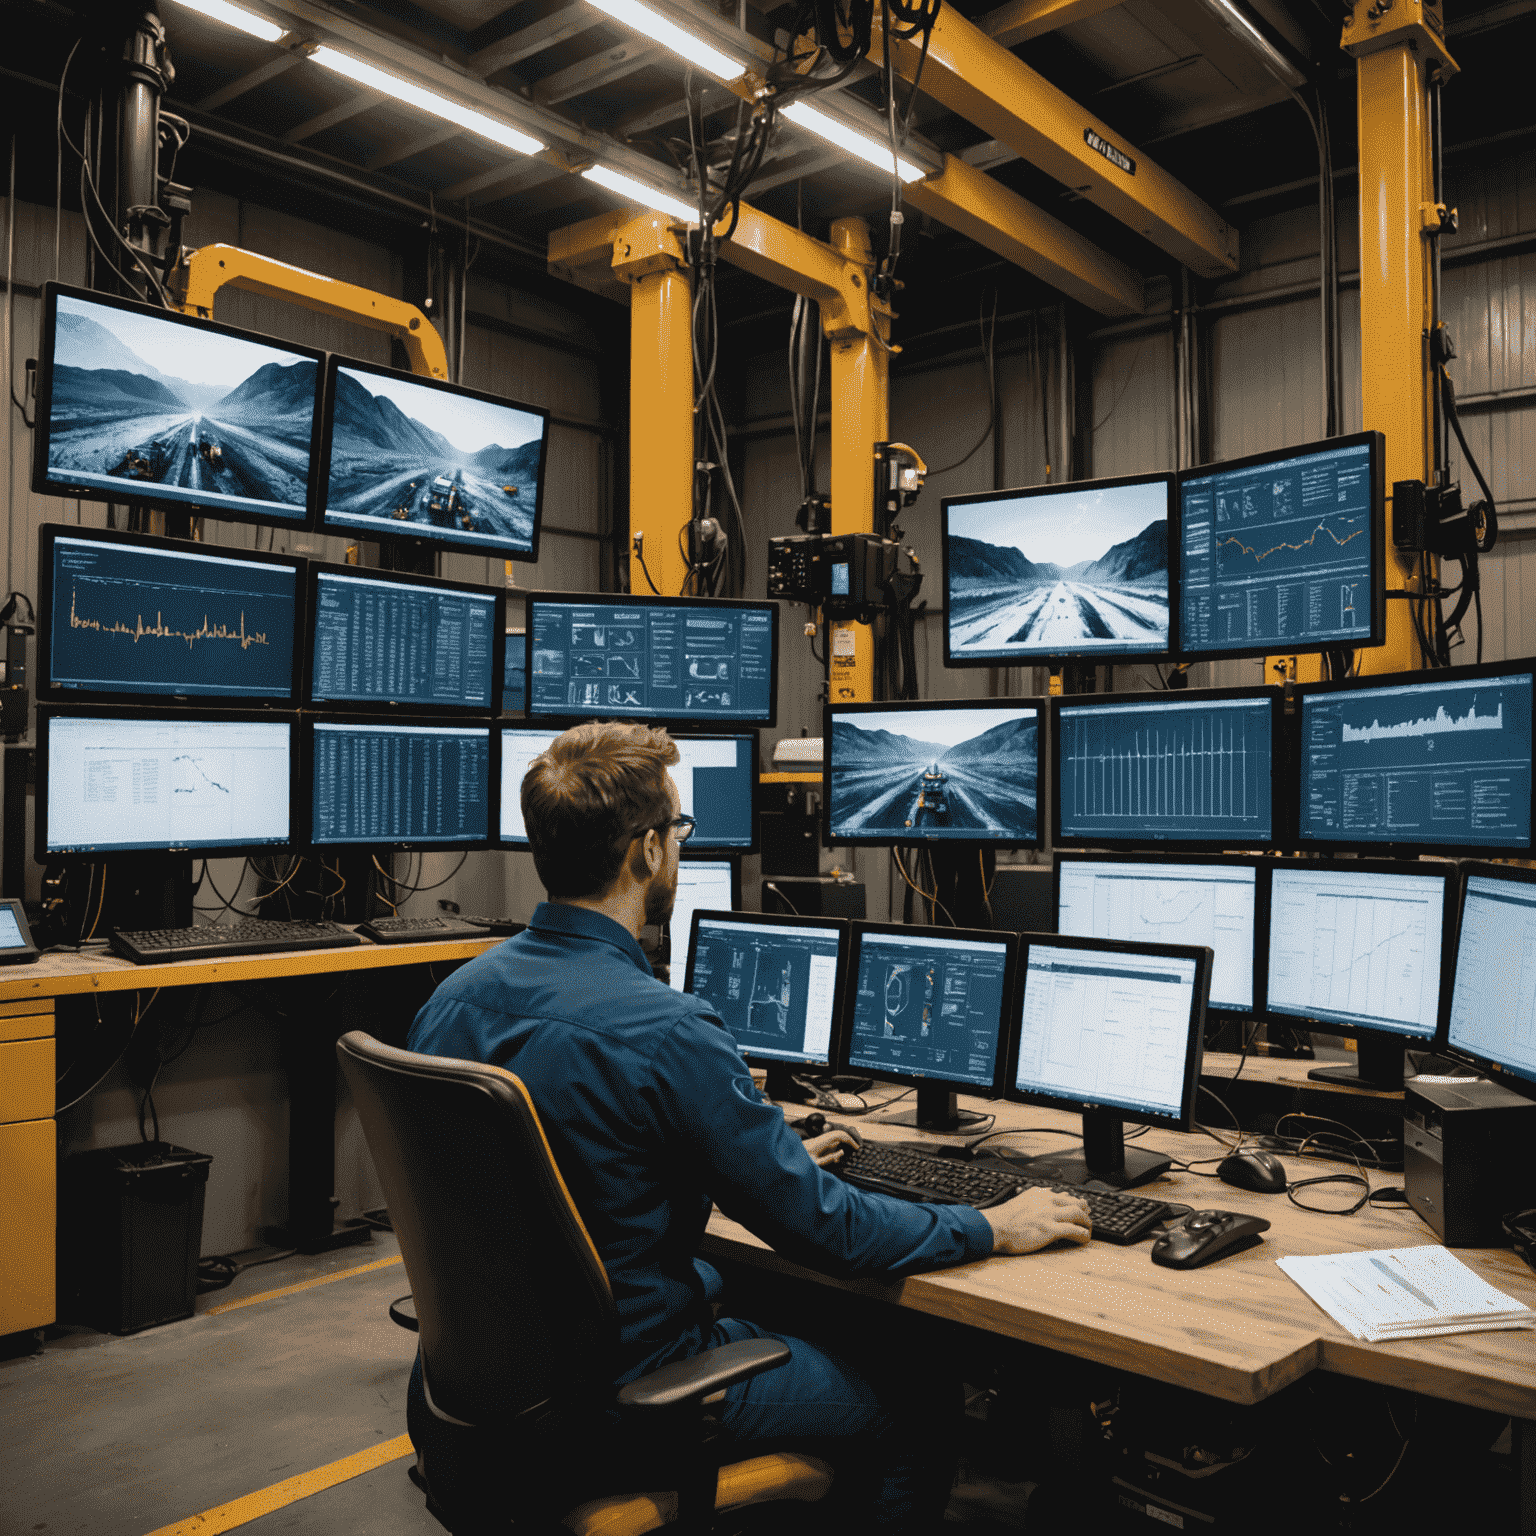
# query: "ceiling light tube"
837,132
1240,26
638,192
651,24
414,95
233,16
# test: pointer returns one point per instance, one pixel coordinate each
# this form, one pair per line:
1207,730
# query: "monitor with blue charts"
1493,1004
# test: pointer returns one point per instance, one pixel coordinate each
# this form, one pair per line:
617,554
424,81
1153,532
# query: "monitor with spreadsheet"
1180,899
416,787
162,781
125,615
1493,1002
1419,762
958,771
1190,770
1285,551
716,780
1358,948
380,639
703,885
1073,570
514,673
687,660
776,982
1114,1029
926,1010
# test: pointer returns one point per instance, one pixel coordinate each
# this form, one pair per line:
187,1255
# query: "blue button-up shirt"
652,1115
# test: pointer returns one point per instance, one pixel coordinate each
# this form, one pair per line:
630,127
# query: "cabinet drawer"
27,1203
27,1026
26,1080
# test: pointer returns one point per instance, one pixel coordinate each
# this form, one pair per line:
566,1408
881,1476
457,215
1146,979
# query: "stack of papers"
1404,1293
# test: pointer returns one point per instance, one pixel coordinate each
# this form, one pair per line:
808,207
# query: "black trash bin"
130,1231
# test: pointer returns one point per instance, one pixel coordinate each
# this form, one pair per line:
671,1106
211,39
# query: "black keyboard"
213,941
414,930
913,1175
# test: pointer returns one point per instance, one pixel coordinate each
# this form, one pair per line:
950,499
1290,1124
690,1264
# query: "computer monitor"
683,660
924,773
1493,1001
716,780
162,781
415,787
1115,1030
1285,551
776,982
514,673
1359,948
141,404
1060,571
1220,903
125,615
1190,770
703,885
409,457
379,639
1433,762
925,1009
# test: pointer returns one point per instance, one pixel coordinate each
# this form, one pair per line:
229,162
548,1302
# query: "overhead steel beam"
499,181
534,39
342,112
592,74
251,79
408,149
1020,20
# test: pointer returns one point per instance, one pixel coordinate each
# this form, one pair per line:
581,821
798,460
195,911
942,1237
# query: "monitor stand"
936,1111
1104,1157
781,1086
1379,1069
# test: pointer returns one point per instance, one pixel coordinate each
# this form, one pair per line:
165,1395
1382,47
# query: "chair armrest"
686,1380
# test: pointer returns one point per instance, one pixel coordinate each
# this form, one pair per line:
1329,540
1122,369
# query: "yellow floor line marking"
303,1285
226,1517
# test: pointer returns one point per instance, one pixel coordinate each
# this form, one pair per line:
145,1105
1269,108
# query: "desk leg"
1523,1448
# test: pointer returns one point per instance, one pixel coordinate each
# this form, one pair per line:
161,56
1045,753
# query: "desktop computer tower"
1467,1157
1021,899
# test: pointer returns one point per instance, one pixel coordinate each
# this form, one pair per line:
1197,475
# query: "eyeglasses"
681,827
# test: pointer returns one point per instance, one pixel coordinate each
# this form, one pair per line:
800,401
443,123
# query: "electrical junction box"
843,574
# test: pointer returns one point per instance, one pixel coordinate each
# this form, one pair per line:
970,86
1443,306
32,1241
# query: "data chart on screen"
703,885
1493,1007
1444,762
514,675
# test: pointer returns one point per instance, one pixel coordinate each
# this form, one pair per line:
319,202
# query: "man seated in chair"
652,1115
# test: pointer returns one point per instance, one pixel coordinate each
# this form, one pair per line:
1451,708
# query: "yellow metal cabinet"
28,1167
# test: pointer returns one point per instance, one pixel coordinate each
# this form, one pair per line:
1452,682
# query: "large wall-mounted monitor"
1060,571
126,615
1285,551
921,773
415,458
1190,770
140,404
379,639
682,660
1419,762
1493,1003
163,781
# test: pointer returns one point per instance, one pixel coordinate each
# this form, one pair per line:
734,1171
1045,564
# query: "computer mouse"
1252,1169
1207,1235
812,1125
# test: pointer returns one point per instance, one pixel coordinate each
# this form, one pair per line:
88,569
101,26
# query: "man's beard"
660,895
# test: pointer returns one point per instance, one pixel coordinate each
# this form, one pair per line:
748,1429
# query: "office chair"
519,1333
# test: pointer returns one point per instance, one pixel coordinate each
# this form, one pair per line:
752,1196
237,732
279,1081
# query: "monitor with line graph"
1189,770
1419,762
1285,551
1493,1000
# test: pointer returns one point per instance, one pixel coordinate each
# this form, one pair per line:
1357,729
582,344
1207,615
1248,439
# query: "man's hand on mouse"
1036,1218
827,1148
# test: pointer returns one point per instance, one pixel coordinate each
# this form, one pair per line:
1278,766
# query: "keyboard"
913,1175
415,930
213,941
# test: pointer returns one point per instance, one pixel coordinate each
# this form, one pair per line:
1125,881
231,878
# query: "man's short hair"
593,790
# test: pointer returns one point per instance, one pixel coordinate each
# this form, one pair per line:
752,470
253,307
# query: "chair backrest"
514,1305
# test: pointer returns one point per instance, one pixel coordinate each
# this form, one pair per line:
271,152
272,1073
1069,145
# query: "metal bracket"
1384,23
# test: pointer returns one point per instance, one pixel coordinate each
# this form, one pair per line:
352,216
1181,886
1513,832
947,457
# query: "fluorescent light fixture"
428,101
637,192
1241,27
233,16
648,23
839,133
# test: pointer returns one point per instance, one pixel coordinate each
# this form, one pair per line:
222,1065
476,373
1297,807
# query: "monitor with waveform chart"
126,615
1187,771
1419,762
1285,551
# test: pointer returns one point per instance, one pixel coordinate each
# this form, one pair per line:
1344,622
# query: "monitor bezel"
1444,870
839,981
1378,516
305,841
418,533
1278,830
1260,863
1194,1047
42,485
50,692
1097,656
858,928
48,713
832,839
389,707
690,723
1369,847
